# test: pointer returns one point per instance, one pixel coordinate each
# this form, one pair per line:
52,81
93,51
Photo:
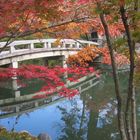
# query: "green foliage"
98,11
119,42
136,35
38,61
137,15
137,78
5,135
120,46
128,2
116,18
137,72
38,45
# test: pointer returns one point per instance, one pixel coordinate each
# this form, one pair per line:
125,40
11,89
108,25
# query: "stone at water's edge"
44,136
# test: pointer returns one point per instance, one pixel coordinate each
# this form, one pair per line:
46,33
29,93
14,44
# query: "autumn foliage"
84,56
120,59
21,17
89,54
58,18
54,79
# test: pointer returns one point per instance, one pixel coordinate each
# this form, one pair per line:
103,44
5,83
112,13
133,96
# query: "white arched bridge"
40,48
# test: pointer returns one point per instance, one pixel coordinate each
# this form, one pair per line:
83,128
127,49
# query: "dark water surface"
88,116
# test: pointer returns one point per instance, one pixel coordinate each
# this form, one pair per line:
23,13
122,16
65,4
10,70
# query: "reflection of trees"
96,119
75,121
102,123
100,102
17,119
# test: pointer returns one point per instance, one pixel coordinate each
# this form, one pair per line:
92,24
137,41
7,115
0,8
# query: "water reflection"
88,116
81,123
75,120
106,114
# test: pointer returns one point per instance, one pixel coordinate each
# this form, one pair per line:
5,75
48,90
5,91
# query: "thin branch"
131,74
30,32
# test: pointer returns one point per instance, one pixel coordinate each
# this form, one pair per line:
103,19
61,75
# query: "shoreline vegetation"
8,135
23,135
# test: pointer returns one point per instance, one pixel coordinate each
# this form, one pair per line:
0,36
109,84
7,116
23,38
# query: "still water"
88,116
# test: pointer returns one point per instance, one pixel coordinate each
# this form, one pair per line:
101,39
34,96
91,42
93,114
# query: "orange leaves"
121,2
31,15
120,59
88,54
22,16
83,57
57,42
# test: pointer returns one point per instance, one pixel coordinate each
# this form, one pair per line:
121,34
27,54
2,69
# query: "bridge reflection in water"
92,115
27,103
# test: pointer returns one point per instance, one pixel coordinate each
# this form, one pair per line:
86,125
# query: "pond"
90,115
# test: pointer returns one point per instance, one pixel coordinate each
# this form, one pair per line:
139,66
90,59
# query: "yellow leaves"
4,134
45,23
57,42
72,25
39,35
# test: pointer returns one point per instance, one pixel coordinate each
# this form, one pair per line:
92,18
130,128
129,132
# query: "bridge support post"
17,109
36,104
45,45
77,45
46,61
15,87
31,46
80,89
63,45
64,64
16,92
14,64
12,48
49,45
71,45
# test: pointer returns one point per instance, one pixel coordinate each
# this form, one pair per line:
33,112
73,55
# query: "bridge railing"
23,45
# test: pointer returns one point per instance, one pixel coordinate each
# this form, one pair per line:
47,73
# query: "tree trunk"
115,76
131,94
134,118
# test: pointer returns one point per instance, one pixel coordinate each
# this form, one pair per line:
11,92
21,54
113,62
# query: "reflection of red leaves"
60,84
39,96
97,75
91,69
65,92
70,79
52,78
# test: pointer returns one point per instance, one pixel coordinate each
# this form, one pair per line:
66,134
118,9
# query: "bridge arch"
26,49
